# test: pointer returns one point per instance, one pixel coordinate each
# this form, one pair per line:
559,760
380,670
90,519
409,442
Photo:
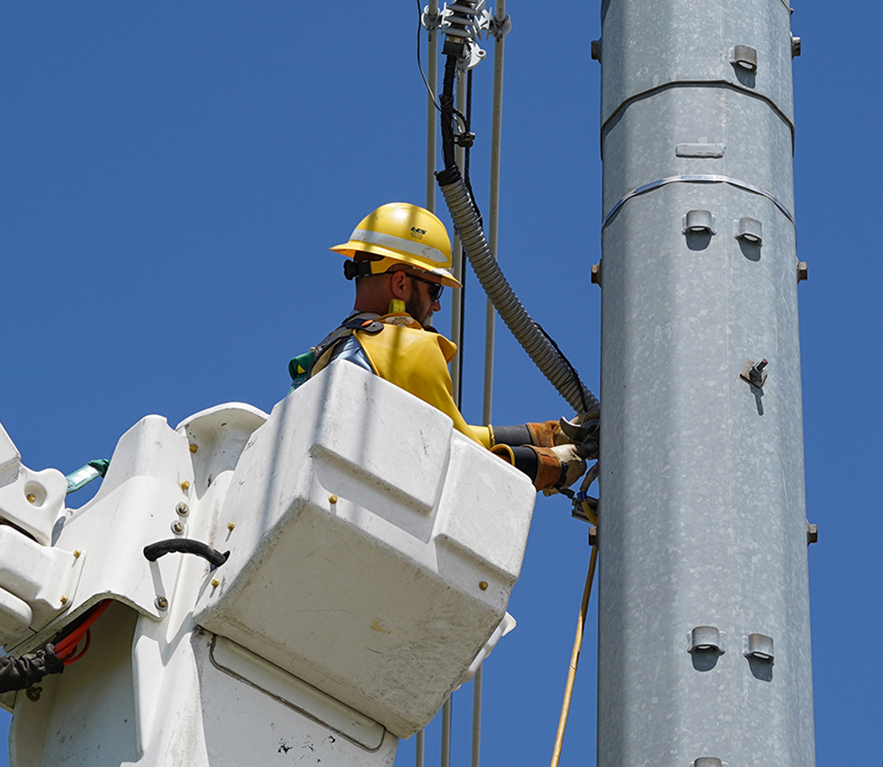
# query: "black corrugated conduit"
467,221
547,357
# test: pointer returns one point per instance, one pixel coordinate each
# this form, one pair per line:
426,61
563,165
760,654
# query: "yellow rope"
574,657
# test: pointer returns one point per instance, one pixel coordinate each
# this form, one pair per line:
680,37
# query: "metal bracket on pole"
430,21
499,29
754,373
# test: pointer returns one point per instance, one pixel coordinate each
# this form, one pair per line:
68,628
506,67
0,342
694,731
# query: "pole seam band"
704,179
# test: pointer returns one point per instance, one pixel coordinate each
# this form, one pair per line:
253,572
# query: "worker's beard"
416,306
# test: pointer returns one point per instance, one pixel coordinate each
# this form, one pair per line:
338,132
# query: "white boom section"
373,550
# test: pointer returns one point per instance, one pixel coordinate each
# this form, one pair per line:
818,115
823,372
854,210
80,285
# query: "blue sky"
171,176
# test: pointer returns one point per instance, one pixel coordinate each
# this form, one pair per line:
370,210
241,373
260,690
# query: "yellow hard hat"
402,233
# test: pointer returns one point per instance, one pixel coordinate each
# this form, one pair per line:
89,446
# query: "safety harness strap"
300,368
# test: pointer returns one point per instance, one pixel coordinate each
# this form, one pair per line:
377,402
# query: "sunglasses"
435,288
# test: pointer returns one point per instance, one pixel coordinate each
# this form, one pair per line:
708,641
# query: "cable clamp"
465,139
431,21
499,29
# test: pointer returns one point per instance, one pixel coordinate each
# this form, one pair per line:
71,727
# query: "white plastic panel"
15,617
43,576
31,500
218,435
233,659
135,506
372,548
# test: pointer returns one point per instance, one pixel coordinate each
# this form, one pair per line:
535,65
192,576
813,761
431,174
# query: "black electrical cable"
466,161
419,62
468,149
580,387
447,111
466,123
464,211
154,551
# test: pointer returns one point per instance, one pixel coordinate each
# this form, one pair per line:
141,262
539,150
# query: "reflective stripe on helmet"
401,244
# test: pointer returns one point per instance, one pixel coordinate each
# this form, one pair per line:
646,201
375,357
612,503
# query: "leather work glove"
546,434
549,468
21,673
584,431
559,467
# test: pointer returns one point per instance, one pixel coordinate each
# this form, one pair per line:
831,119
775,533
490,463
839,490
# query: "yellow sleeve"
484,434
417,361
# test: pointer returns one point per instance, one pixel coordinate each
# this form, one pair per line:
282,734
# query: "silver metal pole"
431,111
420,748
490,312
459,265
447,710
494,204
431,150
476,716
704,600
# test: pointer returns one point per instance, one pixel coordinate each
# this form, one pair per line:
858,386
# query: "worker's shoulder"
370,325
401,333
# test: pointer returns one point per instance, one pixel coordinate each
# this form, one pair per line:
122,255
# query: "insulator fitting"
459,17
462,24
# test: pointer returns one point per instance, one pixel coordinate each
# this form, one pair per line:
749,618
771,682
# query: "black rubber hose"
154,551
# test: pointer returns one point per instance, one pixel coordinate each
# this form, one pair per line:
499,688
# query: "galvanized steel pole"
704,601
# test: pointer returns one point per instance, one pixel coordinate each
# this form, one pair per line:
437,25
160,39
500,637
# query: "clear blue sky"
172,174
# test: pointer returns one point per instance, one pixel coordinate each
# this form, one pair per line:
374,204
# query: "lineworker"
21,673
400,256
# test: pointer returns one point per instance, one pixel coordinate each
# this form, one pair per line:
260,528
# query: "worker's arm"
549,468
542,434
582,431
552,453
417,361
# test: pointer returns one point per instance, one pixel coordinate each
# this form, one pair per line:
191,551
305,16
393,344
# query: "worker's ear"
398,285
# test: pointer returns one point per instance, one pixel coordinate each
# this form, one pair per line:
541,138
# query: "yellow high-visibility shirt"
416,360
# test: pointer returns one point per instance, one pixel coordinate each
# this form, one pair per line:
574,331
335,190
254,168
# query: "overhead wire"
470,230
432,94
